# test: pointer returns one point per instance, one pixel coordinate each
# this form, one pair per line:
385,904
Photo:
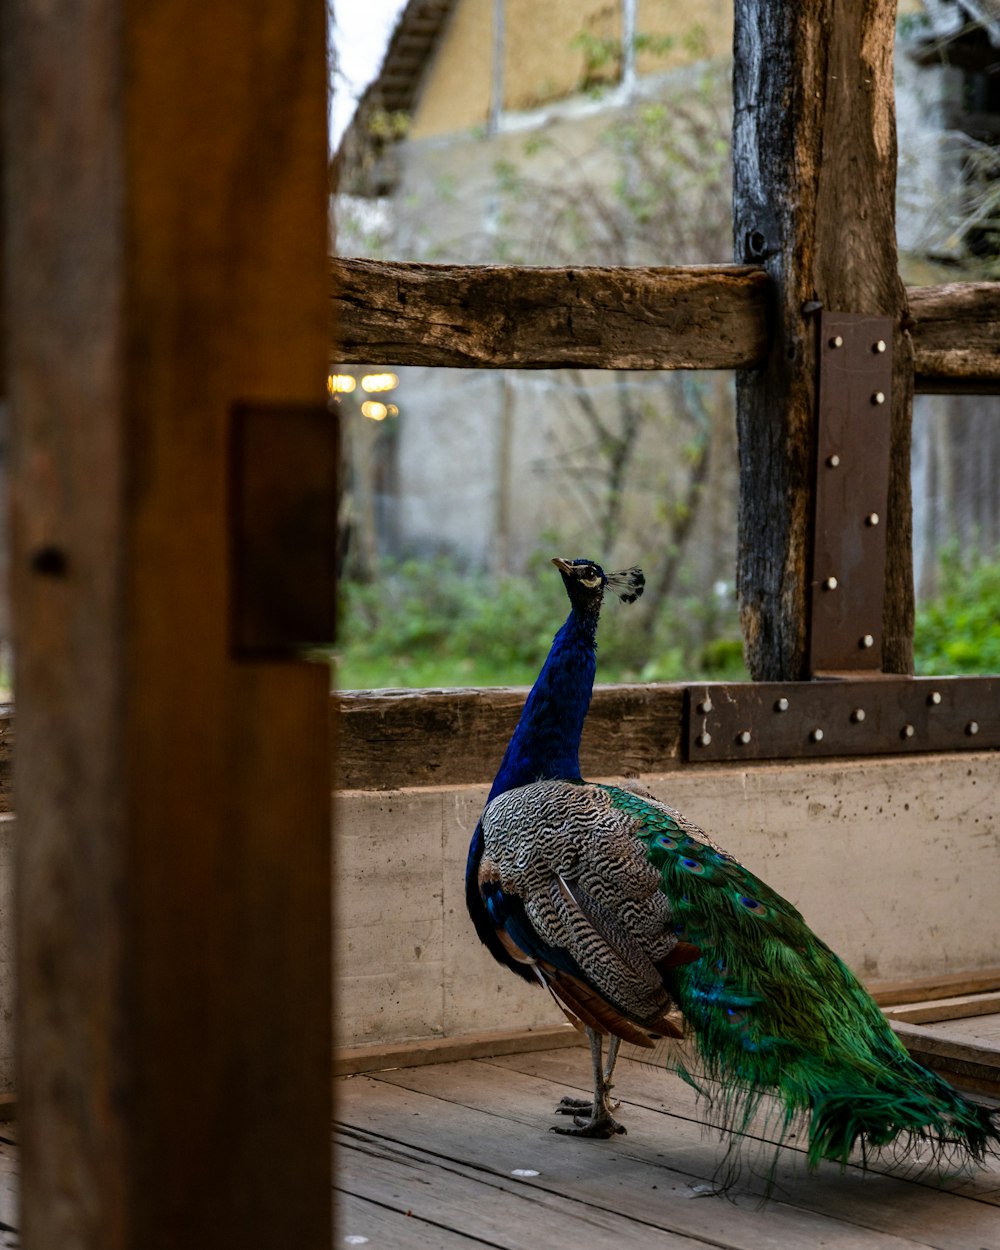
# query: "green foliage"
958,631
601,57
388,126
432,623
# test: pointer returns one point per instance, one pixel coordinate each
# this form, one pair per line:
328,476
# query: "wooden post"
166,218
814,146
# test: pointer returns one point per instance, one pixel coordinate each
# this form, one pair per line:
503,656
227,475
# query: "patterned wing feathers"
597,925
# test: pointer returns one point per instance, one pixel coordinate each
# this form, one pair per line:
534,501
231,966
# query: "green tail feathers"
774,1012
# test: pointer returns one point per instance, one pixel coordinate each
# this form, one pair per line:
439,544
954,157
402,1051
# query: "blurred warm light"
379,382
375,411
392,410
340,384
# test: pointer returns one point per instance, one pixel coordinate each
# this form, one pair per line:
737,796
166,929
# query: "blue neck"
546,742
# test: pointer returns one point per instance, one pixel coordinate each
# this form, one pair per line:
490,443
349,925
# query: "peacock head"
586,583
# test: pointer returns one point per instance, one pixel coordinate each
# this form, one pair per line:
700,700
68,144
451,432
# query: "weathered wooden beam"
695,317
166,236
395,738
956,337
814,156
506,316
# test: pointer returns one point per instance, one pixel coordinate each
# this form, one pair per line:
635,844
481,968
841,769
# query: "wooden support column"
166,217
814,147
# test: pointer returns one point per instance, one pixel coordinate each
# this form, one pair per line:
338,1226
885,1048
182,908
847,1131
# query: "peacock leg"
593,1118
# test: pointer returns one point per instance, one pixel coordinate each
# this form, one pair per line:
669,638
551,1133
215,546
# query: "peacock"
643,929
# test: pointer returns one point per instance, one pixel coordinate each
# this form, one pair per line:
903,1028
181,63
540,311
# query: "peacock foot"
575,1106
585,1122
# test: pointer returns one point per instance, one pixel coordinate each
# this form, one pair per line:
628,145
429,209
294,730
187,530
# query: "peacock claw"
585,1123
597,1126
575,1106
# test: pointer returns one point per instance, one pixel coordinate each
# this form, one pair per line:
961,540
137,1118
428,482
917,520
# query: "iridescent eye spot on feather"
751,904
693,866
665,842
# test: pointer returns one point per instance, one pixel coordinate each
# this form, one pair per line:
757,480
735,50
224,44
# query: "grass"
433,624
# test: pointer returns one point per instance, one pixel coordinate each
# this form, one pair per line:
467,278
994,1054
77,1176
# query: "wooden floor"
459,1155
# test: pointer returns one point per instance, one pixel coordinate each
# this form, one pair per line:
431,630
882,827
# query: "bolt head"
934,698
743,737
972,728
879,346
878,398
837,341
858,715
830,584
781,705
704,707
872,519
816,735
867,641
907,731
832,461
703,740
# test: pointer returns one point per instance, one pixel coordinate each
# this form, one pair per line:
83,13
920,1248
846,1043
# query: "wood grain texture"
956,337
923,989
505,316
969,1064
481,1120
396,738
167,230
814,156
695,317
962,1007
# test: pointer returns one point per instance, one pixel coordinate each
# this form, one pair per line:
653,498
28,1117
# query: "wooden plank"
960,1008
390,1228
643,1084
392,738
506,316
814,159
948,1044
498,1124
349,1060
498,1210
956,337
683,317
353,1059
921,989
967,1063
982,1027
167,184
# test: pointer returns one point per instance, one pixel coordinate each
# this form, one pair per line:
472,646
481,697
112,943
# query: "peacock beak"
564,566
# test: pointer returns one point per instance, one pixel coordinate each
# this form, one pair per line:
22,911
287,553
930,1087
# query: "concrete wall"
895,862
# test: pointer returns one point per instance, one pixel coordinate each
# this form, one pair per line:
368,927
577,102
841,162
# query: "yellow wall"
542,59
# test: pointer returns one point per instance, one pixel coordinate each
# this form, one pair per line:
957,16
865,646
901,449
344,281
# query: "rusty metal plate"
862,716
854,407
284,470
